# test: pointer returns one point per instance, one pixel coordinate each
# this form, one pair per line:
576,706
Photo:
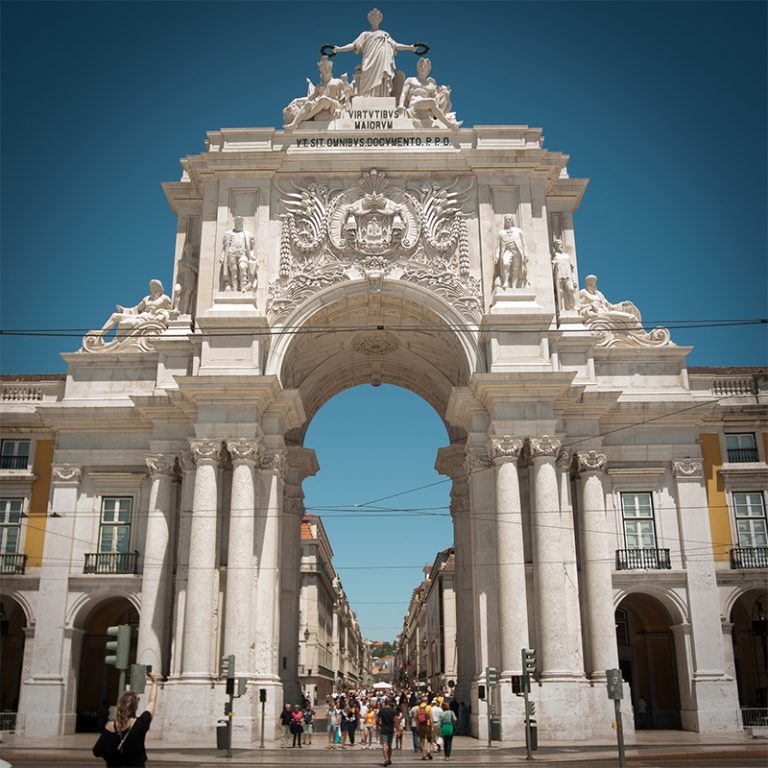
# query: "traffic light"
138,678
227,666
491,676
530,708
517,685
119,648
614,682
481,692
529,660
242,686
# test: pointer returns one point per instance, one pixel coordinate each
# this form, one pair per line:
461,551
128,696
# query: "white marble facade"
374,217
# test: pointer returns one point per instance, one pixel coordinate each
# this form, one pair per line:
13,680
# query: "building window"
14,454
741,447
10,525
639,527
115,531
749,510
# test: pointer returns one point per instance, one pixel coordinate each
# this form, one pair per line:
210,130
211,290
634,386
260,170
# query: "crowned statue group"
418,97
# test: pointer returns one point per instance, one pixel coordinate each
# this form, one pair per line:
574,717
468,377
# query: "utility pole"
616,692
529,665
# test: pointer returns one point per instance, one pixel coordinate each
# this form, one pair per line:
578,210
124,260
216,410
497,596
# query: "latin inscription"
363,142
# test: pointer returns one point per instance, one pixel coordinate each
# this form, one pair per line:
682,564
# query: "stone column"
240,566
548,557
183,535
153,619
465,635
48,702
597,566
273,468
199,614
570,619
513,604
711,686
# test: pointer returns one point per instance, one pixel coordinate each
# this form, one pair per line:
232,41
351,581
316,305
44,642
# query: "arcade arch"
649,659
97,685
13,626
750,646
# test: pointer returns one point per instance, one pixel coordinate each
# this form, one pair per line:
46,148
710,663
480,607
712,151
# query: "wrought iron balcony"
741,455
13,564
111,562
14,462
642,559
749,557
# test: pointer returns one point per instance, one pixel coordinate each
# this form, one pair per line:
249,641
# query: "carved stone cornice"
543,447
591,461
244,449
160,464
66,473
687,469
505,448
206,449
477,459
564,459
275,461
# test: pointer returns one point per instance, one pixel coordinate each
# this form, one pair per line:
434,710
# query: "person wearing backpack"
424,728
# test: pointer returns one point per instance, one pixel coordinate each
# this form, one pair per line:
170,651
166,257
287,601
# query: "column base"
42,702
717,709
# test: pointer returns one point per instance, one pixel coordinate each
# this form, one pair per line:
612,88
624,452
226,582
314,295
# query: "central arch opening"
384,508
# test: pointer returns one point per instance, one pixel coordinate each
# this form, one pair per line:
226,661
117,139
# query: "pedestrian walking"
414,727
309,722
385,719
447,728
332,723
284,721
121,743
424,728
436,714
297,726
399,730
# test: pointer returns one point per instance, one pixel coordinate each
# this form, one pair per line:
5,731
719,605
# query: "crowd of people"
380,720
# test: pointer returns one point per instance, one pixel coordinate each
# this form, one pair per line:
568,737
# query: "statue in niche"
186,281
238,267
151,313
377,71
423,98
326,100
565,280
511,257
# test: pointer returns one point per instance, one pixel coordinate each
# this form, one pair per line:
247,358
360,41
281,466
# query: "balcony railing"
740,455
14,462
111,562
12,564
642,559
754,716
749,557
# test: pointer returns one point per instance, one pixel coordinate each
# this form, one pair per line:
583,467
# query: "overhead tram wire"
443,327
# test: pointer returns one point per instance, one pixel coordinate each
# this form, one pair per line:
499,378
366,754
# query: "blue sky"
661,104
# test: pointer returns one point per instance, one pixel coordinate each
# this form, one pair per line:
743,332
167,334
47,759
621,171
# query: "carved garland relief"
371,231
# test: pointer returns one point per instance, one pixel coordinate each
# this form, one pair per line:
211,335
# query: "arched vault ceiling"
340,346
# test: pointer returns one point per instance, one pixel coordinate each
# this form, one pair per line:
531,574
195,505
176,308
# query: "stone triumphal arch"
376,239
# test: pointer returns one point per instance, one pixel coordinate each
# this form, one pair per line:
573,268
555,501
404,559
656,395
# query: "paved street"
657,749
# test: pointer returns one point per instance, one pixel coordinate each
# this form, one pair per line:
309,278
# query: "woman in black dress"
121,743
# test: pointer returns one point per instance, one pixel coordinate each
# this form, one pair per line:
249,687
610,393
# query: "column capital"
66,473
687,469
160,464
591,461
187,461
544,447
564,459
477,458
244,449
275,461
505,449
205,449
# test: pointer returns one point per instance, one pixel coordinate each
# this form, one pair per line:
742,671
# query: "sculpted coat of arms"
374,230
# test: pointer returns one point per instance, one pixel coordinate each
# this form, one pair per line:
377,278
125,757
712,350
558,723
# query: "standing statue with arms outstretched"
378,50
